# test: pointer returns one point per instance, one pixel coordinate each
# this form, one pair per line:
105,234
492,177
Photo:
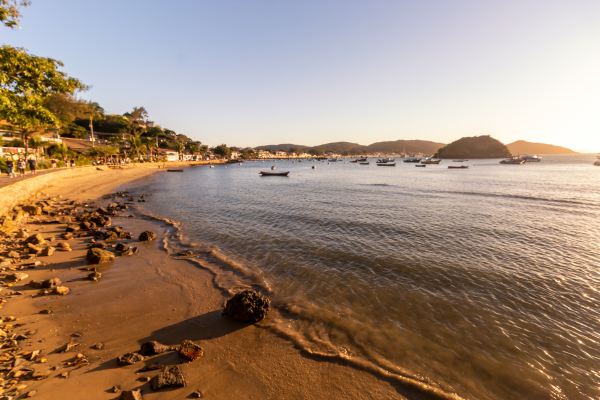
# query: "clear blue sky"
253,72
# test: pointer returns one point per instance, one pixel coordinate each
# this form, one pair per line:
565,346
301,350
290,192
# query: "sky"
259,72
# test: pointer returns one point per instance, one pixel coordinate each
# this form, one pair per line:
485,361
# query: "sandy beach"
152,295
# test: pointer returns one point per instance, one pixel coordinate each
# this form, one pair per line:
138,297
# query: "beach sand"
156,295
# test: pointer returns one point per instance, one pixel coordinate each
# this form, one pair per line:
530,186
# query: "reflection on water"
484,280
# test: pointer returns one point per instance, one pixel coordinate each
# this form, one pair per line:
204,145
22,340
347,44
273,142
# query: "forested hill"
523,147
474,147
398,146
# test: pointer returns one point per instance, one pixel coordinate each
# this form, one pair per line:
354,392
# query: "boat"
459,160
354,161
386,164
430,161
531,157
413,160
364,163
385,160
461,167
421,165
361,159
513,160
263,173
174,170
334,160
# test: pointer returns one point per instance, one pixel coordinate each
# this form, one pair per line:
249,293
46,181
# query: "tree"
223,151
93,109
35,142
193,149
136,146
9,13
25,81
178,146
59,149
1,141
150,144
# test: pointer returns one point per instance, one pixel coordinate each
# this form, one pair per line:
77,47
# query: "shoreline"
121,311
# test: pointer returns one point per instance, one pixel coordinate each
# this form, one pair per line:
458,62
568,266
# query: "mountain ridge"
524,147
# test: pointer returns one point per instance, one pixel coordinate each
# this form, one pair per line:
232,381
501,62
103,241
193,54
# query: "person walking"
10,165
72,163
32,166
21,167
53,162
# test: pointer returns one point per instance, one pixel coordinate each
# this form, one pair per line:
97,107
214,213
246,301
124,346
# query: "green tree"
223,151
9,13
150,144
36,142
136,146
178,147
25,81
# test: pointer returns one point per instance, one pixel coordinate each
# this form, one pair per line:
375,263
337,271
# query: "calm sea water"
483,281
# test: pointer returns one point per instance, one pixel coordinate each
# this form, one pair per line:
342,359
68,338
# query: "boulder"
97,246
247,306
73,228
32,249
117,229
110,236
113,205
6,225
16,276
169,377
35,239
63,246
75,203
147,236
87,225
153,348
22,234
129,359
35,284
94,276
190,350
121,247
99,256
61,290
131,395
32,210
129,252
48,251
102,221
50,283
13,254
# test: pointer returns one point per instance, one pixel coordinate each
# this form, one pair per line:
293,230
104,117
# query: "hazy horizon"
268,72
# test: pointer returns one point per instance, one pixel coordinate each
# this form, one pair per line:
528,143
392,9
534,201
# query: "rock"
115,389
13,254
35,284
32,210
62,290
73,228
151,367
153,348
185,253
35,239
102,210
87,225
102,221
113,205
22,234
98,346
130,251
117,229
50,283
129,359
247,306
75,202
94,276
48,251
196,395
17,276
97,246
67,347
31,249
131,395
67,236
31,393
147,236
169,377
110,236
80,359
190,350
6,225
63,246
121,247
46,312
98,256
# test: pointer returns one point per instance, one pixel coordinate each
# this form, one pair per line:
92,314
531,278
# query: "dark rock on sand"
13,254
97,246
32,249
131,395
247,306
98,256
98,346
169,377
50,283
16,276
152,348
48,251
35,284
129,359
130,251
73,228
35,239
121,247
151,367
147,236
32,210
94,276
110,236
190,350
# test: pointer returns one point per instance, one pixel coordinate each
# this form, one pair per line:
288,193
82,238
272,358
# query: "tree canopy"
10,14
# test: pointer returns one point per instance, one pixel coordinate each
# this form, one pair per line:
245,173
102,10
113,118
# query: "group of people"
20,166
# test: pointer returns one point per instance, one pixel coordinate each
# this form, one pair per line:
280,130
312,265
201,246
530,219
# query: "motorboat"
361,159
386,164
531,158
263,173
461,167
413,160
430,161
513,160
385,160
461,160
364,163
421,165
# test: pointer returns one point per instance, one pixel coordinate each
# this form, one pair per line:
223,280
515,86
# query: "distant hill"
398,146
411,146
523,147
281,147
474,147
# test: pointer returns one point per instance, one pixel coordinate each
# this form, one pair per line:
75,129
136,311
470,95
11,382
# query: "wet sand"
156,295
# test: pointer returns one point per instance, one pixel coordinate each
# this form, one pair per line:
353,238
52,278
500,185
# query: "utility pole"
92,131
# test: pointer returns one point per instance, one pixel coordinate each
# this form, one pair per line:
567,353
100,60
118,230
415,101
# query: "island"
474,147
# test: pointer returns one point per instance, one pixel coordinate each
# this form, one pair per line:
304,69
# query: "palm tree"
136,146
193,149
150,144
179,147
61,150
35,142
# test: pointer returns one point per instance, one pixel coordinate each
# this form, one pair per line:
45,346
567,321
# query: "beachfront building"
170,155
281,154
264,154
235,155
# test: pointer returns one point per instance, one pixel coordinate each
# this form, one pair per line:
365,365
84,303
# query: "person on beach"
53,162
72,163
32,166
10,165
21,167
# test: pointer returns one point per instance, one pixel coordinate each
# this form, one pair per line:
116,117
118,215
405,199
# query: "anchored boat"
263,173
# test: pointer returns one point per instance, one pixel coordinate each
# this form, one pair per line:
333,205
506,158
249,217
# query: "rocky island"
474,147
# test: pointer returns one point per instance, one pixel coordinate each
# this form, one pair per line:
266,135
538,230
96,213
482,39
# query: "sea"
483,282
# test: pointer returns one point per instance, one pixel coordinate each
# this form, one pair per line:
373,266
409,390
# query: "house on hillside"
51,138
235,155
264,154
169,154
281,154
